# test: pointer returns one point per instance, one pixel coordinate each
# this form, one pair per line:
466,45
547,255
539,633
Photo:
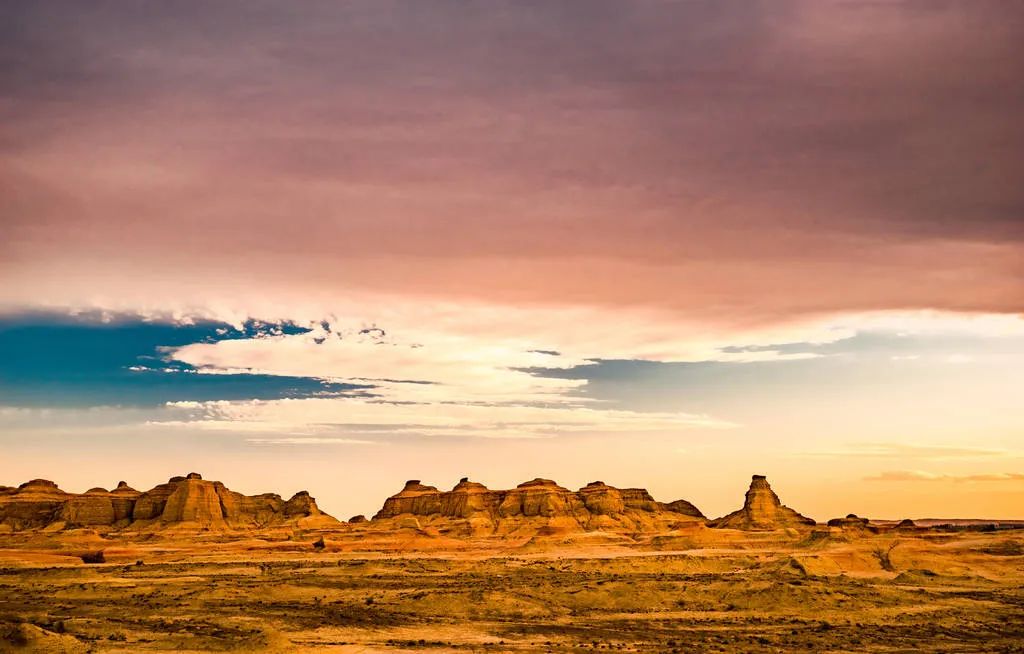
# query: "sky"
663,244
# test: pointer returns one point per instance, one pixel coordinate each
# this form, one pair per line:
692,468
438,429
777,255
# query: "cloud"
433,368
419,149
297,440
490,368
439,419
918,475
909,451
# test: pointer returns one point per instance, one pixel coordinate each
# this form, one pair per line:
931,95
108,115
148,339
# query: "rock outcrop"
414,498
762,511
27,637
853,523
92,508
188,502
470,508
35,503
686,508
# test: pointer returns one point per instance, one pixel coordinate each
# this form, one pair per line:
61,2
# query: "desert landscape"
549,326
192,566
526,327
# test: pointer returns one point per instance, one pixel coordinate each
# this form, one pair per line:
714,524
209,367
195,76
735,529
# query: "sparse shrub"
884,557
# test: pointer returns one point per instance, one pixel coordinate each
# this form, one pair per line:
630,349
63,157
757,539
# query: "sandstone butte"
762,510
188,502
470,509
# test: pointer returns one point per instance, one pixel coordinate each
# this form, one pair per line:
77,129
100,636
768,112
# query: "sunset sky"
337,245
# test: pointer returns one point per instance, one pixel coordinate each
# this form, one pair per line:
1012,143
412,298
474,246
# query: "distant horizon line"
189,475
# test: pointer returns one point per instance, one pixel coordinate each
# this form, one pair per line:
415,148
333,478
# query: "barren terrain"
406,590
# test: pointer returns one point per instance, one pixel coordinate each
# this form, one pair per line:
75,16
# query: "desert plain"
533,569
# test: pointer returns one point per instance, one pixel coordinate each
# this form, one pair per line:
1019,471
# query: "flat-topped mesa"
539,497
414,498
601,499
471,508
762,511
35,503
188,502
40,485
93,507
193,500
852,523
470,500
851,519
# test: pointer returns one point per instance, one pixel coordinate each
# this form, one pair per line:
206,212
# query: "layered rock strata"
762,511
186,502
471,508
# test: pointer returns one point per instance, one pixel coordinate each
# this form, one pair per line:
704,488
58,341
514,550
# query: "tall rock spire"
762,510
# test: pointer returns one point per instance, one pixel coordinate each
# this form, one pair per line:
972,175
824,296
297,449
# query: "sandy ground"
890,593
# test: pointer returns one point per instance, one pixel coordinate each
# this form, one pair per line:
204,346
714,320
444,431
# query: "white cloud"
471,362
360,415
472,357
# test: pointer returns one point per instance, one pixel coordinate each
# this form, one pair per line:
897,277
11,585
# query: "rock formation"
35,503
470,508
762,511
94,507
188,502
853,523
414,498
686,508
536,507
851,520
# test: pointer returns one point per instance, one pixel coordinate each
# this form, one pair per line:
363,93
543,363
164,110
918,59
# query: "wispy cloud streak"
921,476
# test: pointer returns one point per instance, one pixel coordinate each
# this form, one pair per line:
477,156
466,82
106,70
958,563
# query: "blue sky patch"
60,360
870,359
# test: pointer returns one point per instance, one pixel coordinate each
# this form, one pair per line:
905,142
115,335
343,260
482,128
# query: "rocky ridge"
539,507
188,502
471,508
